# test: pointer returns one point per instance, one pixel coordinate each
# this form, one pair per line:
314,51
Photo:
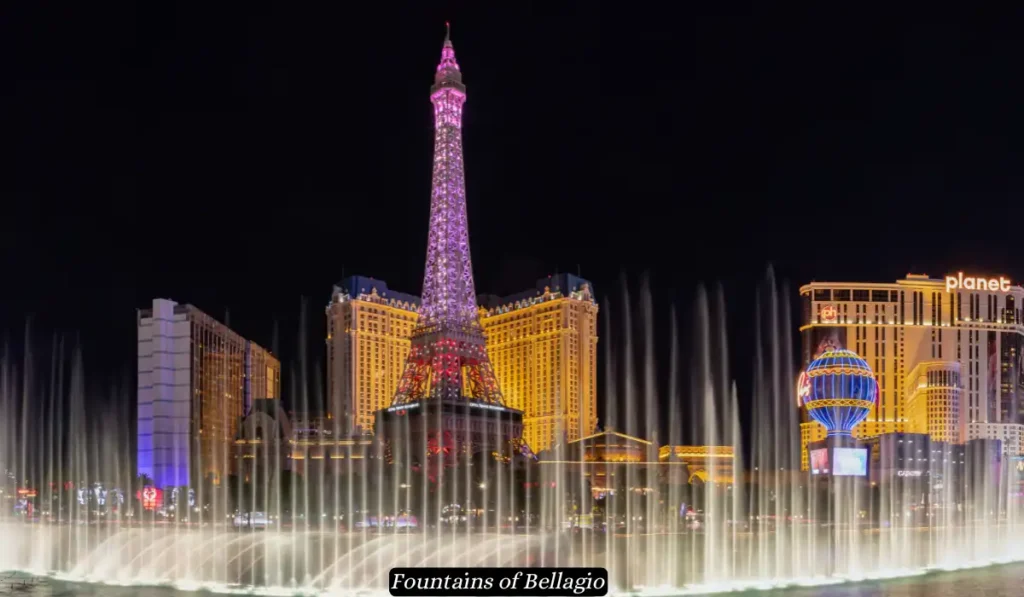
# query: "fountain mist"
663,526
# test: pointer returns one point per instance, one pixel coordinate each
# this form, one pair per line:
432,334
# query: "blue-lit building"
197,378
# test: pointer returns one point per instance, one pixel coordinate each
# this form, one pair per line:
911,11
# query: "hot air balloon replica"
838,389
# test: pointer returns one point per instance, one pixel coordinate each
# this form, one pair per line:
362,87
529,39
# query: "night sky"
243,157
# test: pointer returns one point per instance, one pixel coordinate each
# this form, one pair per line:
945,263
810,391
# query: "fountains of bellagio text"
339,533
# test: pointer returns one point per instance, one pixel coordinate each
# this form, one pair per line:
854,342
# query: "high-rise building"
542,343
947,354
196,380
368,330
448,402
933,394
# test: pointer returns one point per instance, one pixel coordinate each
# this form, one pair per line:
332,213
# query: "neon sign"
829,314
409,406
486,406
959,282
803,388
909,473
151,497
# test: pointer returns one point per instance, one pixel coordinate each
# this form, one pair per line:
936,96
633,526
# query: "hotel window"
860,295
879,296
841,295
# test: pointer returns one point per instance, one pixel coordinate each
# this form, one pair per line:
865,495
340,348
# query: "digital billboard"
850,462
819,461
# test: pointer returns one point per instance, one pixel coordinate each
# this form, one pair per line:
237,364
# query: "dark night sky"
242,157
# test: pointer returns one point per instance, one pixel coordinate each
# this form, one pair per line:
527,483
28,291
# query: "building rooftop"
357,285
563,283
196,313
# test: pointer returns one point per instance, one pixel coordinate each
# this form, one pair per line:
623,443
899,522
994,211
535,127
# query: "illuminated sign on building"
819,461
803,388
487,406
829,314
403,407
959,282
850,462
26,493
151,497
909,473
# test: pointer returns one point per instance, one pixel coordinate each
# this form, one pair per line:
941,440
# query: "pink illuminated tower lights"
448,357
448,290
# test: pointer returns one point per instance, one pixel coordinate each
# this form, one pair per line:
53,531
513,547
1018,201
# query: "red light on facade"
151,497
803,388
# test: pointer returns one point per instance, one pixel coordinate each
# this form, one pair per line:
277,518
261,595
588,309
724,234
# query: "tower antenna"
447,31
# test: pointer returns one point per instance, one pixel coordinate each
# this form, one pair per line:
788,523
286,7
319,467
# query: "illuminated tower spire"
448,357
448,296
448,403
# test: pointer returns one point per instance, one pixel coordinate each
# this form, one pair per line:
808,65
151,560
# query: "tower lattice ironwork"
448,357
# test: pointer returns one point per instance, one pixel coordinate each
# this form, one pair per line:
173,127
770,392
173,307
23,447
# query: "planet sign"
960,282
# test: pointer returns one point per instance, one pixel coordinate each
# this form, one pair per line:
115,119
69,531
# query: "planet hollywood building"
947,353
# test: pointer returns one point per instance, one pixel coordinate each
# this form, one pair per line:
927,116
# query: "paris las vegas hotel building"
947,354
542,344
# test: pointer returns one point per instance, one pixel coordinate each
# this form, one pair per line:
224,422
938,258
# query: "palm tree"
141,481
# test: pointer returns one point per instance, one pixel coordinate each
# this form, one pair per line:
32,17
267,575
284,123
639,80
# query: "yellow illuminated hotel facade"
947,353
368,330
542,344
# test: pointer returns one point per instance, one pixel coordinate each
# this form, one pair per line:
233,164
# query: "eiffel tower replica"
448,405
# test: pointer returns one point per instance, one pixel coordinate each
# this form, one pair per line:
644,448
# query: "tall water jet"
755,526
